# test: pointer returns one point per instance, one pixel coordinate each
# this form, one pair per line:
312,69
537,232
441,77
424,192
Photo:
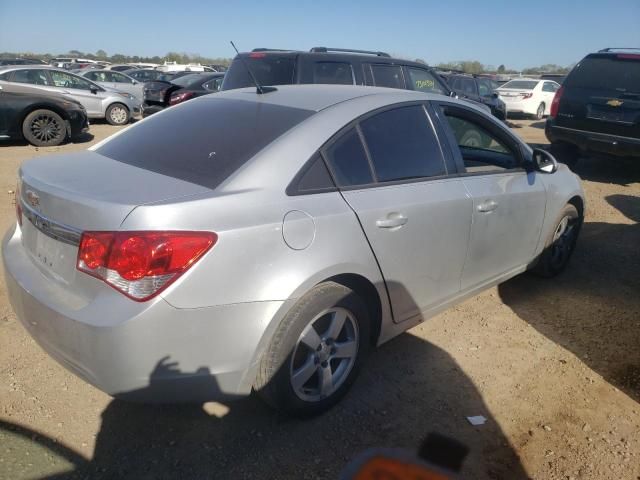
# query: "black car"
159,95
43,119
597,108
479,89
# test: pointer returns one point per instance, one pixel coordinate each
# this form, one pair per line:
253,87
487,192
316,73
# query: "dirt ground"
554,365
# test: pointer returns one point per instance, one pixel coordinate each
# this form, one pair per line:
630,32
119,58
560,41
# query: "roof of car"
318,96
4,68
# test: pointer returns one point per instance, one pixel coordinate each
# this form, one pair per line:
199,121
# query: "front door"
79,89
415,216
508,202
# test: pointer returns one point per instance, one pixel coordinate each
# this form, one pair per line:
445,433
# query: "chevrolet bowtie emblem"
614,103
32,198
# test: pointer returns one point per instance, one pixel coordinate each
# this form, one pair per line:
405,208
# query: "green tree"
501,69
101,54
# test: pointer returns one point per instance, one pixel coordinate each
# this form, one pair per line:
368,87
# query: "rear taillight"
18,205
555,104
141,264
526,95
180,97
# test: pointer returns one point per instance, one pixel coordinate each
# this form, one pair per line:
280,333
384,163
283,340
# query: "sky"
514,33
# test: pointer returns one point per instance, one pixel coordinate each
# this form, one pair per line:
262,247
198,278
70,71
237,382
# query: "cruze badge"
32,198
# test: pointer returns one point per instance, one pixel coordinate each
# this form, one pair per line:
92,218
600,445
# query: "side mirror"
543,161
495,95
93,89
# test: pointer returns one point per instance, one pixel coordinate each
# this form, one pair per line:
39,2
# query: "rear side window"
549,87
611,72
348,161
268,70
204,142
33,77
424,81
388,76
314,178
402,144
333,73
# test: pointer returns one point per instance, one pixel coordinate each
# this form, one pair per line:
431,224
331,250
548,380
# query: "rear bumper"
593,142
151,351
151,109
524,106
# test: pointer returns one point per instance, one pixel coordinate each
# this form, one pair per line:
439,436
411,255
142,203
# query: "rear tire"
539,115
316,352
44,128
117,114
561,243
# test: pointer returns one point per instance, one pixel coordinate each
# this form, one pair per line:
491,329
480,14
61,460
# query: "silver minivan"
117,107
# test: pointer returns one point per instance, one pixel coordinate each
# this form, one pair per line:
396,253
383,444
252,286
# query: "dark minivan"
597,109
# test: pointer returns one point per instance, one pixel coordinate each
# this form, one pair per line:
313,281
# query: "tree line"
467,66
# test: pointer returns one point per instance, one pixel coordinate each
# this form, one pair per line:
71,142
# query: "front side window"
485,88
482,150
213,85
402,144
33,77
117,77
348,161
423,81
336,73
387,76
65,80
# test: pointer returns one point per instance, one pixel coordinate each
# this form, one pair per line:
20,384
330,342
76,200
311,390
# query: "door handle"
397,220
488,206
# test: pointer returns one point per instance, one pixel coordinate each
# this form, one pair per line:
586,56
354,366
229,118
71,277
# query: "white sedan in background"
529,96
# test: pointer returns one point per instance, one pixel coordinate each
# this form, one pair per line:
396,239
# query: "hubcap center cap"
324,352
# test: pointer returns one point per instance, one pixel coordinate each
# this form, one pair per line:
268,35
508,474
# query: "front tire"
316,352
44,128
561,243
117,114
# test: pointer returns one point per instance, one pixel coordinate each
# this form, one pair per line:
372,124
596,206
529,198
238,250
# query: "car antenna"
259,88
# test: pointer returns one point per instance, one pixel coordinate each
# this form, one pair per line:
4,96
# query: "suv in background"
597,109
478,89
333,66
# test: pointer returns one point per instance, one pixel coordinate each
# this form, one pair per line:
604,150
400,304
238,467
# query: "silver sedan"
245,241
117,107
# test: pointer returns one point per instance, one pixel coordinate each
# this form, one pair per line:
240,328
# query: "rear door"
549,90
415,215
602,94
508,202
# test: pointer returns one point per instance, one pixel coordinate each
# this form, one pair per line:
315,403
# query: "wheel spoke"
337,322
311,338
346,349
326,381
304,373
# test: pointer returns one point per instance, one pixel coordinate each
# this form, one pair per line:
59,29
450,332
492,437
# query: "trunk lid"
64,195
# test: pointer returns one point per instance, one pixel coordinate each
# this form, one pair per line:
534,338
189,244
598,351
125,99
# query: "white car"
529,96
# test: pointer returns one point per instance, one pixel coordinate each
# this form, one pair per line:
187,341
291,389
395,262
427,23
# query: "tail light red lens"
179,97
18,205
141,264
555,104
526,95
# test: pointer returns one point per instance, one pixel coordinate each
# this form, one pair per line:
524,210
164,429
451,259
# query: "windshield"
521,84
268,70
217,136
619,72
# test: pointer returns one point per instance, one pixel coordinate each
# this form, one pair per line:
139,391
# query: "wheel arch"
42,106
577,202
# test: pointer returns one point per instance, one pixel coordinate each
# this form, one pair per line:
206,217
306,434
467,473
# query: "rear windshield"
204,141
609,72
188,80
521,84
268,70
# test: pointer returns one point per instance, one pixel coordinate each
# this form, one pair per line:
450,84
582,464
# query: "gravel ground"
554,366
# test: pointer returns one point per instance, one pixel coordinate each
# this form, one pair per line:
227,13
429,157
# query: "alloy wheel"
46,128
324,354
563,241
118,115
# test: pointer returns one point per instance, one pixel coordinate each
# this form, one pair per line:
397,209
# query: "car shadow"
592,309
407,389
81,138
621,171
539,124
